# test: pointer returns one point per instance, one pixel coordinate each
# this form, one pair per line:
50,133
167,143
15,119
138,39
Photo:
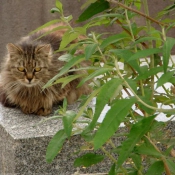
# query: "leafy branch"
127,70
138,12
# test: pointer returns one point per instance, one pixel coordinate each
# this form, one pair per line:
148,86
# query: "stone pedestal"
23,146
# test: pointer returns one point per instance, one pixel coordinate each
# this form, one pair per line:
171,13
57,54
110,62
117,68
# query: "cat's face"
29,65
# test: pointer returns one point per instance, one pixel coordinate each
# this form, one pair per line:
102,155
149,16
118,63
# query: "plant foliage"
128,70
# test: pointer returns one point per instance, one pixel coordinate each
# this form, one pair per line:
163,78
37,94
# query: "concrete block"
23,146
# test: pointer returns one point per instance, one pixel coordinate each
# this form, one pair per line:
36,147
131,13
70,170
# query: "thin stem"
112,144
133,164
164,38
145,4
131,112
81,110
138,12
132,115
137,97
162,158
101,53
146,60
130,28
109,155
121,134
135,48
113,159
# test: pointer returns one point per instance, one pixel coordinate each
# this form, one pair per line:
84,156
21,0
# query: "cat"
28,66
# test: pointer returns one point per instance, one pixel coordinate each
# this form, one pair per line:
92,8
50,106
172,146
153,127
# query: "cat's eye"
21,69
37,69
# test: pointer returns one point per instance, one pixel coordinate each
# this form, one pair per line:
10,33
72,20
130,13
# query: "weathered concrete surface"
23,145
19,17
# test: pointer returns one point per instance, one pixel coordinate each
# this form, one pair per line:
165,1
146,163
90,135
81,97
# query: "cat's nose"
29,79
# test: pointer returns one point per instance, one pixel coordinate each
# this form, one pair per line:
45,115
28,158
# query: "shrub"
129,69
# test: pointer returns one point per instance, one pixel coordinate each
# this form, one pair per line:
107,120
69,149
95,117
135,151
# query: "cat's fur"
27,67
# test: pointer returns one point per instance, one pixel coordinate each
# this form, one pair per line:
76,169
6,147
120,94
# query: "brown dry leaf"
172,153
173,89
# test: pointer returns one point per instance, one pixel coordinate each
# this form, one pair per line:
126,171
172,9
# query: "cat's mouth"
28,83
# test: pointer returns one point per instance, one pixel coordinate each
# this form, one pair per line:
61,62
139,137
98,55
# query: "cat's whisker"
11,88
41,84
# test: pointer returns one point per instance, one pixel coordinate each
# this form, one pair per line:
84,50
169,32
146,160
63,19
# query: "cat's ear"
44,49
13,49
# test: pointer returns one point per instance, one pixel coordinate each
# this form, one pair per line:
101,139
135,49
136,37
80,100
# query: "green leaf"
112,120
137,131
112,170
167,47
88,160
171,165
143,39
53,30
144,53
59,6
164,78
93,9
109,15
90,68
68,18
147,101
68,119
45,25
67,79
55,145
137,4
169,149
71,35
147,150
113,39
132,84
102,99
133,172
55,9
134,27
65,57
87,3
156,33
67,38
90,49
156,168
137,160
125,54
64,104
156,131
98,72
67,66
171,7
146,74
170,26
166,10
85,104
162,99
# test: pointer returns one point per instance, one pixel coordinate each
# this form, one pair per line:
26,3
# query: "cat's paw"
43,111
25,110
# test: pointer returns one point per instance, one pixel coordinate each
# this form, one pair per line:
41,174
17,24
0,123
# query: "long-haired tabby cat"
27,67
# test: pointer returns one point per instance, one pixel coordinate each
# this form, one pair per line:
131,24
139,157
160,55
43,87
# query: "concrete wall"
19,17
